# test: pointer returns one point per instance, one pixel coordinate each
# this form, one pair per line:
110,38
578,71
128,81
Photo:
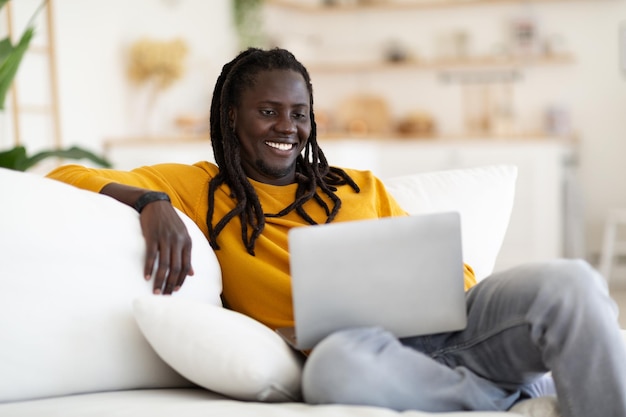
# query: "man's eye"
266,112
299,116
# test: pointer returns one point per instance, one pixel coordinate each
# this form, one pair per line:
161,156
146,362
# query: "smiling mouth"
280,146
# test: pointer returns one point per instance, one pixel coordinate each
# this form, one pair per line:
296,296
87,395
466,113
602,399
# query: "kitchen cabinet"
545,220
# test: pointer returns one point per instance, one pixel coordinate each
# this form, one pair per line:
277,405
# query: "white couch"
81,334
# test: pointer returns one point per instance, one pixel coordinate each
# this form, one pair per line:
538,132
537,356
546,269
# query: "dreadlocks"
312,170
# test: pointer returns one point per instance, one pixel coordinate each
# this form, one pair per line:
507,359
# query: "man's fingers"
151,256
186,269
173,273
162,269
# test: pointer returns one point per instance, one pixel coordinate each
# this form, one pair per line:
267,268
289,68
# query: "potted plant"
17,158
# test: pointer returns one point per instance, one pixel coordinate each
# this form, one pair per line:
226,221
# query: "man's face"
273,125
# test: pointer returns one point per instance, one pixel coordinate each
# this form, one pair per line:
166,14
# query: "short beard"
273,172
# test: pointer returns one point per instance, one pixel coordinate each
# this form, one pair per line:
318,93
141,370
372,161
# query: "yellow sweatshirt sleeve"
186,185
469,278
85,178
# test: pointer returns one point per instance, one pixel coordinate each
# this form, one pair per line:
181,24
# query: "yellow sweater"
258,286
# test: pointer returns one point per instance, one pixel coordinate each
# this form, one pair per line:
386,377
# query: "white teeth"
280,146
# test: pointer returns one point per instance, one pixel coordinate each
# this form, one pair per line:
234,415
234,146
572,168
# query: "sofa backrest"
483,196
70,267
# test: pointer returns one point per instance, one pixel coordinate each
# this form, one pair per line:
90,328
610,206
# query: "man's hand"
166,238
167,241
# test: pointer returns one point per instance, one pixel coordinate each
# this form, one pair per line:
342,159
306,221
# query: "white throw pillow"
72,263
219,349
483,196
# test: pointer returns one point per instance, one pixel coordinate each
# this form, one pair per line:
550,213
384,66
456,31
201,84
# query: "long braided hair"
312,169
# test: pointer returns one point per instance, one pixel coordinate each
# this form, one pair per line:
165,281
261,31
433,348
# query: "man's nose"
286,124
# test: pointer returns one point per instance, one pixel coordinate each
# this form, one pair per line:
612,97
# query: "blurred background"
401,86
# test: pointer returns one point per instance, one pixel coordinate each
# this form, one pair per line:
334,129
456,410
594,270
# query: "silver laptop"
404,274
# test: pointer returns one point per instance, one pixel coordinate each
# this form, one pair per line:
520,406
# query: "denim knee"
573,279
337,370
573,290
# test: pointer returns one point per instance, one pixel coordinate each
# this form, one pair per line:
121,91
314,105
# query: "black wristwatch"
150,197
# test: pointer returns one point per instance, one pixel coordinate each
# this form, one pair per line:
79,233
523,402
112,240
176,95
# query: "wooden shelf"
393,5
444,64
448,138
168,140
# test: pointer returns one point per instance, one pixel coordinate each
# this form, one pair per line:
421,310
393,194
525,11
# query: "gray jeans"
522,323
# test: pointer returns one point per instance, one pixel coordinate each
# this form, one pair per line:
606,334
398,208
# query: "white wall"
97,101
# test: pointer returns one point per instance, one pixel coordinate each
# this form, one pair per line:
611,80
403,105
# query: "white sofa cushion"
221,350
483,196
72,263
201,403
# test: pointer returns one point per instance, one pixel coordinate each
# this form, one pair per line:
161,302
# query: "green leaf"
10,56
8,67
18,160
14,158
70,153
5,49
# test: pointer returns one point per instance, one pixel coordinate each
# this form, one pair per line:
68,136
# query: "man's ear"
232,118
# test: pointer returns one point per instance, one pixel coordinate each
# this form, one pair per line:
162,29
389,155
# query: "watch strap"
150,197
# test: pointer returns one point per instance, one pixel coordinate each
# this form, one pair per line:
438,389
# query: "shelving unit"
356,60
306,10
393,5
